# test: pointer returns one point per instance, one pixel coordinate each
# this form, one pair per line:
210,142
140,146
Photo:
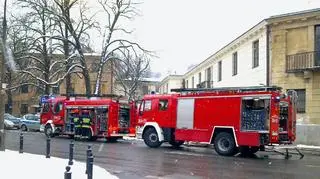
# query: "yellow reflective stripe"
86,120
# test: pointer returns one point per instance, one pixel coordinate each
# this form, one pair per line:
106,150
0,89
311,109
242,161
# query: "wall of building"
170,82
290,37
246,74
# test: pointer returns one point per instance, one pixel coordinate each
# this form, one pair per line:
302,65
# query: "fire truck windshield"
45,107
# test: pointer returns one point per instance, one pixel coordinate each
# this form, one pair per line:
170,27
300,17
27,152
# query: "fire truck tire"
48,131
24,127
224,144
176,144
151,138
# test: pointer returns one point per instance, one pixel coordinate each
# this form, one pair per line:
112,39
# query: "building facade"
295,54
282,50
26,98
170,82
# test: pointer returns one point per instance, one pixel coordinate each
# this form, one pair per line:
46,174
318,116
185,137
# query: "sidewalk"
310,149
15,166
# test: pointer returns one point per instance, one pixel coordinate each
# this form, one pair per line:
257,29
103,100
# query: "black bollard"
90,166
67,173
48,148
21,144
89,152
71,147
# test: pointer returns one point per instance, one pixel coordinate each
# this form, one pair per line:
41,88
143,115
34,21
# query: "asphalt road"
132,160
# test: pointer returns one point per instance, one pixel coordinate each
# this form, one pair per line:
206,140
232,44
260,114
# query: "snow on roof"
38,167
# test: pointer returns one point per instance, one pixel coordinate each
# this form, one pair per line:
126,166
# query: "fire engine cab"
109,118
233,119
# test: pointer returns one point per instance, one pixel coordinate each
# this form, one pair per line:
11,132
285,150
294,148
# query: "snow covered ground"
19,166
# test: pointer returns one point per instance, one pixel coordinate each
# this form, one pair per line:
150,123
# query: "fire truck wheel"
24,127
176,144
224,144
48,131
151,138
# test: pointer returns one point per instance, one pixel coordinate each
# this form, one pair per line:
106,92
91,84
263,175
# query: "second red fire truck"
233,119
109,118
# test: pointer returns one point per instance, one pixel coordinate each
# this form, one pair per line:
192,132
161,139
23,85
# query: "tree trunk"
99,78
87,81
9,93
2,73
66,49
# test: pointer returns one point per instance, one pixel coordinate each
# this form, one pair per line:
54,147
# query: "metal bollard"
71,148
48,148
21,144
90,167
89,152
67,173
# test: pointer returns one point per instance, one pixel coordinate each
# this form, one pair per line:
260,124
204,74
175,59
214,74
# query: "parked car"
13,119
8,124
30,122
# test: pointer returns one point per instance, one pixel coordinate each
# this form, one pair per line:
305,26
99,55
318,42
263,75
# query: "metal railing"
205,84
303,61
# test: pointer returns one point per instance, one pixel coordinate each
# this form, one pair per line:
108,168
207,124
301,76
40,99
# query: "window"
55,90
24,108
208,76
255,51
145,89
24,89
147,105
58,107
45,108
220,71
301,103
6,108
187,85
163,104
167,86
200,78
192,82
234,63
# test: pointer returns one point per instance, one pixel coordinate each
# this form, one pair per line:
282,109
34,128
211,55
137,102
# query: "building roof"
264,22
294,13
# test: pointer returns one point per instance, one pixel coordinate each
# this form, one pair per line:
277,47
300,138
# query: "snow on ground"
131,138
16,166
308,146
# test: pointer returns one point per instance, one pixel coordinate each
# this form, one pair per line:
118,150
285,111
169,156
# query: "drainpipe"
268,56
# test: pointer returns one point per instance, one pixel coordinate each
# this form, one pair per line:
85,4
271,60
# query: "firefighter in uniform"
86,124
76,122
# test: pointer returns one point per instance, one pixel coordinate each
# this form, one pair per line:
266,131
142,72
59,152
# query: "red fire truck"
111,119
233,119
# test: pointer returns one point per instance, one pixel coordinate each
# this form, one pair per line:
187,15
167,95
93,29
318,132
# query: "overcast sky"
185,32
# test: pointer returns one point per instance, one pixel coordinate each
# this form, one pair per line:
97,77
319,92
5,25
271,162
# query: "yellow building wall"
288,38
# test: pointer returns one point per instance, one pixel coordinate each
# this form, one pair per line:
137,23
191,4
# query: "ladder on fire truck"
228,89
92,96
277,149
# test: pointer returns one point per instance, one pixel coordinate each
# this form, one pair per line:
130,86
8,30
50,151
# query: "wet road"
133,160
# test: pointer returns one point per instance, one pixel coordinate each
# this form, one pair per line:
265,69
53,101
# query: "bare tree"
129,73
117,11
77,30
44,67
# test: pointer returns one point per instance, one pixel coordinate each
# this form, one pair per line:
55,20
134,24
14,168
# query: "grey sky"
185,32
